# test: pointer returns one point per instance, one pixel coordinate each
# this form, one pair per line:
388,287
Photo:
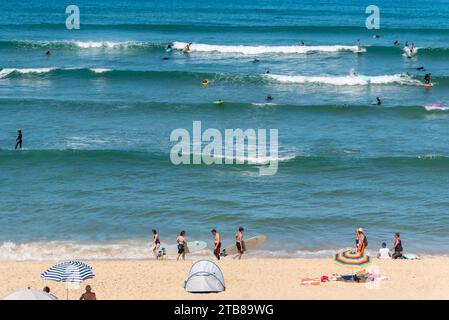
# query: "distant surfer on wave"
378,101
239,243
427,77
19,140
217,243
186,48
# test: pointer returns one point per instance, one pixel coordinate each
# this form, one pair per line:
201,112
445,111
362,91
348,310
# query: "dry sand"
245,279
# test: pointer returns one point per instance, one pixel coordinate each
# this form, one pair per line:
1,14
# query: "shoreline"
245,279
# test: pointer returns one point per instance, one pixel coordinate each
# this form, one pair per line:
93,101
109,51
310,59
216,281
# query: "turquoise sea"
95,175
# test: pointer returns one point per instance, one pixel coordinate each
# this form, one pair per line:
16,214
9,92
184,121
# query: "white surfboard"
172,249
249,243
437,106
409,52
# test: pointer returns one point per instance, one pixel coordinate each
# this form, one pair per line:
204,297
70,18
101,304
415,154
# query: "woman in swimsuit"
156,244
182,243
362,241
239,243
397,248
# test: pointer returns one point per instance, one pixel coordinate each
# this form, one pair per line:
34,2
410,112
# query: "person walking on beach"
88,295
217,243
362,241
182,244
239,243
19,140
397,248
156,244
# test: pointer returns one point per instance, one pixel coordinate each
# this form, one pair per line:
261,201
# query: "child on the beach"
384,252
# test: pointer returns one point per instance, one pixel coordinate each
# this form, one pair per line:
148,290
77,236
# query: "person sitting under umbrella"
88,295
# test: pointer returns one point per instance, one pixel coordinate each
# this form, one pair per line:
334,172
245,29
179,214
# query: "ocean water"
95,174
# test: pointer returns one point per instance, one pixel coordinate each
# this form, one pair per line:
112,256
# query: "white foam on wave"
255,50
100,70
7,71
108,44
140,249
349,80
64,250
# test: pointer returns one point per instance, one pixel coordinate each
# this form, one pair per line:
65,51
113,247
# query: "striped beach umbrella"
351,258
68,271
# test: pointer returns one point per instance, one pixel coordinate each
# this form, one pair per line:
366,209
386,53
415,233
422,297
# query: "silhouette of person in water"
48,53
378,101
19,140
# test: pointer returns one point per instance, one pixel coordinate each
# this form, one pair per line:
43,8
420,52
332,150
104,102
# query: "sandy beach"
245,279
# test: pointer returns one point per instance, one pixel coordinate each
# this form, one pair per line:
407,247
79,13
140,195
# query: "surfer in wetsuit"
397,43
182,243
217,243
48,53
239,243
269,98
19,140
156,244
427,77
378,101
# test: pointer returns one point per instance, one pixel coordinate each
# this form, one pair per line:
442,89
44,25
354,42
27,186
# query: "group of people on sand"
361,242
181,242
87,295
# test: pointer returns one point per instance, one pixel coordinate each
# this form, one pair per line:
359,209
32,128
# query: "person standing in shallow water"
217,243
239,243
19,140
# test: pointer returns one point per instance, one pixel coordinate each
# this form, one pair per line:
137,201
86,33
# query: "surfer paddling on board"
19,140
156,244
182,245
217,243
239,243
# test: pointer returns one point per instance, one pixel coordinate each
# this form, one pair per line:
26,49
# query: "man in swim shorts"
239,243
217,243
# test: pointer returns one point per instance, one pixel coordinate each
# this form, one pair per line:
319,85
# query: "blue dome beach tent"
205,277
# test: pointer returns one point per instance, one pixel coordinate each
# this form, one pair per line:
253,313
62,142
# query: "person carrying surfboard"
217,243
239,243
182,244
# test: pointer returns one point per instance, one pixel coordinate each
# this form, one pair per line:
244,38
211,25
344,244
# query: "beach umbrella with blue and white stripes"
69,271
